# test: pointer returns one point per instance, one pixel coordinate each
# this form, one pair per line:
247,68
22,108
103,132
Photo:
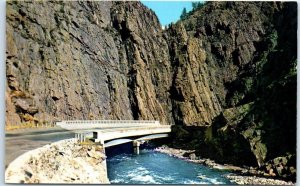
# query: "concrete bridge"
94,124
114,132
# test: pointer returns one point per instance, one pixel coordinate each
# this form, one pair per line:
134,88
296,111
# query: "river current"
151,167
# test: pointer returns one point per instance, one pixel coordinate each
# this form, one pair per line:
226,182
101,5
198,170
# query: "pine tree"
183,14
194,5
197,5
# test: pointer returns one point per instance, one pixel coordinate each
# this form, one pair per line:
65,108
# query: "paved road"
20,141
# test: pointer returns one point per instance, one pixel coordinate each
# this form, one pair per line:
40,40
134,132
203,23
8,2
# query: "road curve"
20,141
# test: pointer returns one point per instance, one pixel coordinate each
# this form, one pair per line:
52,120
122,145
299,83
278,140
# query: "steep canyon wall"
228,68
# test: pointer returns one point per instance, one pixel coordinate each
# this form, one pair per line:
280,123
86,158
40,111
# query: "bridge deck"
104,135
104,130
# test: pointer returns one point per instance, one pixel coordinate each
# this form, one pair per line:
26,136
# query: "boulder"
22,104
193,156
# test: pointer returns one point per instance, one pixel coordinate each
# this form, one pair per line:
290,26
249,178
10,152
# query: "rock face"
87,60
61,162
226,73
235,71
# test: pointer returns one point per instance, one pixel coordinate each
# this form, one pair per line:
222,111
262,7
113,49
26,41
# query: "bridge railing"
109,122
77,124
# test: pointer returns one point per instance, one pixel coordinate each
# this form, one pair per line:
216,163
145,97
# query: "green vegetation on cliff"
250,67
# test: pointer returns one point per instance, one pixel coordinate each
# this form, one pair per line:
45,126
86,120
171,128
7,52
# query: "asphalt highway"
20,141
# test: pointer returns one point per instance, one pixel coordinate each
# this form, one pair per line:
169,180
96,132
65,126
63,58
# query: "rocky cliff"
238,61
81,60
225,75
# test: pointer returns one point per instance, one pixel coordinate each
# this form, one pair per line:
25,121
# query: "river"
150,167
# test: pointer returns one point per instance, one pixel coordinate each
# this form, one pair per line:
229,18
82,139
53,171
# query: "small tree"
200,4
197,5
183,14
194,5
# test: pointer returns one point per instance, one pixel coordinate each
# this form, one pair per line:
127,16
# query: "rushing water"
150,167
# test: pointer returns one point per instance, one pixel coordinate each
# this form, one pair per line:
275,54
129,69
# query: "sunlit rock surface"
61,162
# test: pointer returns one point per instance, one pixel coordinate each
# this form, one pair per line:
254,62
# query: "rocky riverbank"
64,161
253,180
239,176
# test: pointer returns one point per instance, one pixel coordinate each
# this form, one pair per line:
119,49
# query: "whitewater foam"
195,182
155,168
215,181
146,179
117,181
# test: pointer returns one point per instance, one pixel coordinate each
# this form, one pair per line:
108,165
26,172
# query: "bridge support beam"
80,137
136,147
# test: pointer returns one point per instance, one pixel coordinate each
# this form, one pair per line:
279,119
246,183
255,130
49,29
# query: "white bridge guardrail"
90,124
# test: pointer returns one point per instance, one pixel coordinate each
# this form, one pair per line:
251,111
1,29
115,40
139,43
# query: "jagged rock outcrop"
227,72
147,61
